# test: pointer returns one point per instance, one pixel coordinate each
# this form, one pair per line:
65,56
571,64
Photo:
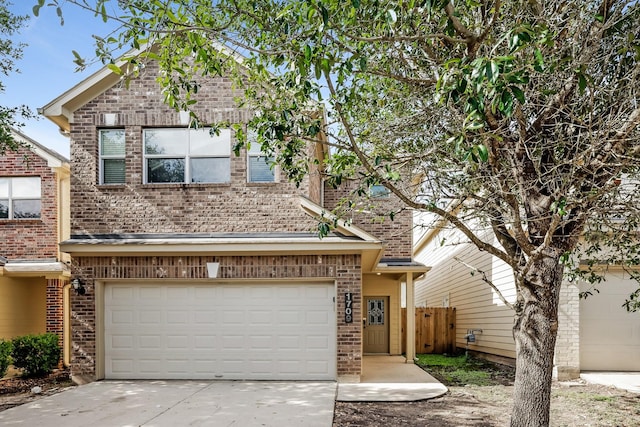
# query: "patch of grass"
465,370
603,399
442,360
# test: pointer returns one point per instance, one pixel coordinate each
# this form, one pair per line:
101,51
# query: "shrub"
5,356
37,355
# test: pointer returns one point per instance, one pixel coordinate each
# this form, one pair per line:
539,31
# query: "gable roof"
53,159
61,109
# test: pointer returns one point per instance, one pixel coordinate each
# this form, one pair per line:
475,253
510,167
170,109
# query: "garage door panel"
609,335
206,342
205,294
123,294
205,317
148,317
262,331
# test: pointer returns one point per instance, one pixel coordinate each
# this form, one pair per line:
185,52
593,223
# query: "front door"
376,325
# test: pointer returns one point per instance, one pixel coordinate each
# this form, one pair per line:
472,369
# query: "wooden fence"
435,330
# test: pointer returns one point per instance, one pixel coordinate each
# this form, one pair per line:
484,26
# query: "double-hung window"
20,197
187,156
259,166
112,156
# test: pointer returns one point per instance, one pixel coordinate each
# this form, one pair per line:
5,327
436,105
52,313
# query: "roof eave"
49,270
228,247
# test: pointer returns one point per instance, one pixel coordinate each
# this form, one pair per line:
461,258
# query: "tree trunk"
535,331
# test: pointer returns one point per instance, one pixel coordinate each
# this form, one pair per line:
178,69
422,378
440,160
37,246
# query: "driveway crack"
206,386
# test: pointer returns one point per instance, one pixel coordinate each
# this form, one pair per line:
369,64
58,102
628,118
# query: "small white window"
260,166
379,191
187,155
112,156
20,197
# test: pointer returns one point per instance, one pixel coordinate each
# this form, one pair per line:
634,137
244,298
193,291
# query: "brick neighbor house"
34,217
197,263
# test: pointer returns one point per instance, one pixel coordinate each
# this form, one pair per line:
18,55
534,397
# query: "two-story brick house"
201,264
34,217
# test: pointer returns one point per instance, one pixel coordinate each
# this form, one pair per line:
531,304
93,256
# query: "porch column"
411,321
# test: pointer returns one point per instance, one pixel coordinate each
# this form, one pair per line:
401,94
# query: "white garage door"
224,331
609,335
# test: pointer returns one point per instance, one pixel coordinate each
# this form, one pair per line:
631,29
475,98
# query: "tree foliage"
518,117
10,52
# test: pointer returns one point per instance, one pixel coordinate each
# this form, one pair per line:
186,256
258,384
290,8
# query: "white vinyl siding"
262,331
477,305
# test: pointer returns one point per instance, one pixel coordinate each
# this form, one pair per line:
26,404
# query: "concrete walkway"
390,379
181,403
629,381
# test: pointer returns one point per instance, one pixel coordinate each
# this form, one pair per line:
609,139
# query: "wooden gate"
435,330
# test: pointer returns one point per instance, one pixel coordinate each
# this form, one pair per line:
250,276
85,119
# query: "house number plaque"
348,308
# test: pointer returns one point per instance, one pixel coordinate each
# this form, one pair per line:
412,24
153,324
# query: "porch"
390,379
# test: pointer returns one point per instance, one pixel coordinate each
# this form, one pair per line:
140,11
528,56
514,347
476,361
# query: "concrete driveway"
181,403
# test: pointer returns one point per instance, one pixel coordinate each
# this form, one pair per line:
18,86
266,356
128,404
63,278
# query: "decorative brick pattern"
31,238
343,269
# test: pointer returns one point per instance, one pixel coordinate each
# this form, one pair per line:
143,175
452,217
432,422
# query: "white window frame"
225,135
11,198
110,157
255,154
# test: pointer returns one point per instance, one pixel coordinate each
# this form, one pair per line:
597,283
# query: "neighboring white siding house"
594,334
450,283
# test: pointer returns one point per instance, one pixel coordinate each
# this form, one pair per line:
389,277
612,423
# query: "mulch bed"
18,384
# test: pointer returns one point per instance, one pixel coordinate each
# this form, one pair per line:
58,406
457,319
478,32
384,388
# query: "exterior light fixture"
78,286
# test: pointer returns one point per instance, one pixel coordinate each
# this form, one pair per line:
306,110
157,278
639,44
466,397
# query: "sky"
47,68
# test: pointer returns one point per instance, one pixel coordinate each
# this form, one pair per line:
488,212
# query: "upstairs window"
20,197
187,156
112,156
259,166
379,191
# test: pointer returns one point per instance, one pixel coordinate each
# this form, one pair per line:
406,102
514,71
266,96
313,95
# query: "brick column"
55,311
567,354
55,307
349,334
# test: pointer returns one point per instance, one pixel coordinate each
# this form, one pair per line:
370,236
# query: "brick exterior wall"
237,206
567,354
31,238
344,269
55,309
372,215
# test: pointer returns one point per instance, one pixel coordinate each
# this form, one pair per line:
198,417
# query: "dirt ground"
15,390
573,404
